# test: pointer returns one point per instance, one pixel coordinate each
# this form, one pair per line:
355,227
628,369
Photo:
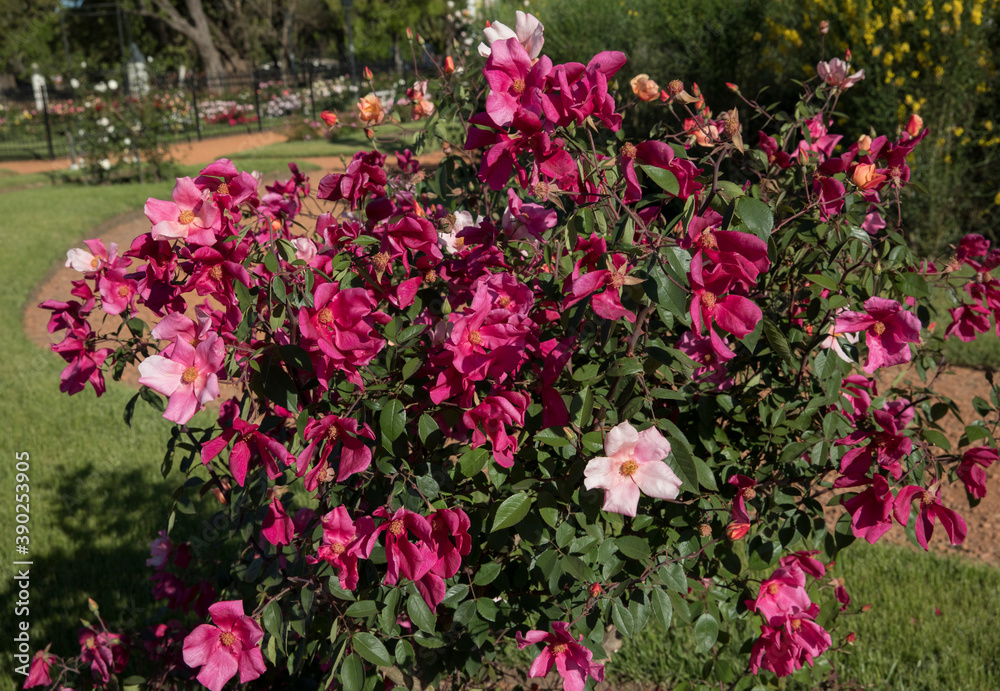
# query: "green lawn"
98,499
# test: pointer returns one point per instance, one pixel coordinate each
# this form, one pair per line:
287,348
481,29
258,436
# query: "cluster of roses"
789,635
104,651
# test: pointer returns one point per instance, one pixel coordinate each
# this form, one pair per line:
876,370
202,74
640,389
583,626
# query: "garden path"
185,153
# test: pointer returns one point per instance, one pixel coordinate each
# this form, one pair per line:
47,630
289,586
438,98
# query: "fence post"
312,95
48,127
194,99
256,101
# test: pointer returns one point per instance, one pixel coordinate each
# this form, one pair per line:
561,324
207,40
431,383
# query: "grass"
97,497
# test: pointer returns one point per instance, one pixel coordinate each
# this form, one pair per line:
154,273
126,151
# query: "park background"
266,70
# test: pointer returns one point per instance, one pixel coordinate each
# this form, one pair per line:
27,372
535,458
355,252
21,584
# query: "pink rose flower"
572,660
231,646
889,329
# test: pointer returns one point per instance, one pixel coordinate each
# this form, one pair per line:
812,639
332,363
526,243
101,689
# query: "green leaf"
271,619
426,427
914,285
473,461
404,653
664,178
392,419
756,215
633,547
706,632
622,619
372,649
824,281
936,438
511,511
487,573
352,673
777,340
662,607
624,367
674,578
420,614
362,609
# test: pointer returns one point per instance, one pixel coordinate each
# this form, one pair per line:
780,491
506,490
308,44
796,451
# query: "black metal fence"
42,123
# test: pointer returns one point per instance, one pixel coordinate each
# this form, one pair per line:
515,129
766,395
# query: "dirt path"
182,152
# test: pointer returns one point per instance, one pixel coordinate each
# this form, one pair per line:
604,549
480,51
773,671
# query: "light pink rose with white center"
527,30
634,463
98,257
834,73
188,377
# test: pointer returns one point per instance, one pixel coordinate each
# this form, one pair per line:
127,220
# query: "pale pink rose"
188,377
634,462
527,30
834,73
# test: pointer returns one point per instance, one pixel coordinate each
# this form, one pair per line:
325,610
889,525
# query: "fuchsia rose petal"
200,644
542,664
226,613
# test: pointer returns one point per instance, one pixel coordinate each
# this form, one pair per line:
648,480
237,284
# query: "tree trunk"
198,31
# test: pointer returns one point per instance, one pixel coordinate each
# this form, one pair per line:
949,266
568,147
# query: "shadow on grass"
93,502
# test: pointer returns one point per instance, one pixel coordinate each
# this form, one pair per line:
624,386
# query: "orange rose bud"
370,133
865,176
329,118
737,531
864,143
275,224
847,55
368,73
914,125
849,638
449,65
595,589
732,87
371,110
409,34
645,88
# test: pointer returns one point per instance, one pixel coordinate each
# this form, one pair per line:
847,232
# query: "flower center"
459,243
380,261
190,374
708,240
708,299
796,624
628,468
90,643
926,499
878,328
772,589
541,189
122,291
430,276
628,150
475,338
518,86
324,316
337,548
186,216
215,273
222,189
396,527
749,493
707,359
558,648
332,434
617,279
227,638
504,301
94,263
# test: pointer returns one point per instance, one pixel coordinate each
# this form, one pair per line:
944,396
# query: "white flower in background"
111,129
449,239
112,84
75,83
83,65
127,141
527,30
105,163
103,122
100,87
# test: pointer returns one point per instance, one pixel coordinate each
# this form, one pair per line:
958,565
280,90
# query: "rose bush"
559,383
